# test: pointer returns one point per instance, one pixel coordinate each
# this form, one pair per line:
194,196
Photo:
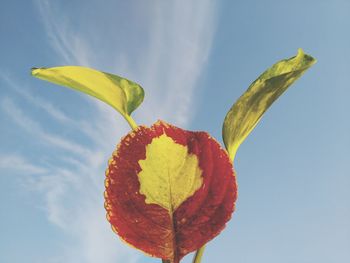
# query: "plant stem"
198,256
165,261
131,121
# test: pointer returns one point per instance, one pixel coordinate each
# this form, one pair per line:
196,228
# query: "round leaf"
169,191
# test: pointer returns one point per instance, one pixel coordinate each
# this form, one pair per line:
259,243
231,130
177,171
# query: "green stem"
198,256
165,261
131,121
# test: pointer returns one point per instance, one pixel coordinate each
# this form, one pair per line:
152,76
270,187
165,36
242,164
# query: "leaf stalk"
198,256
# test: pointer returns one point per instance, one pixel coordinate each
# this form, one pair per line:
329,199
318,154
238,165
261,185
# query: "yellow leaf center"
169,173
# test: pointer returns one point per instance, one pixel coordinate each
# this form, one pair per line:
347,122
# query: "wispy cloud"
92,130
31,126
182,34
17,163
37,101
64,40
165,50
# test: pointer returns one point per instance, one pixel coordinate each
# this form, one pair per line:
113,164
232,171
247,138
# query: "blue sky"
194,59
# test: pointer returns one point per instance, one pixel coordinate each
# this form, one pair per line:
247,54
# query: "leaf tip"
300,52
34,71
301,55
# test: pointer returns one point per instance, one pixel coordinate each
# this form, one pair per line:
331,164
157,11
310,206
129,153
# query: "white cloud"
92,130
164,47
36,100
19,164
182,34
31,126
67,43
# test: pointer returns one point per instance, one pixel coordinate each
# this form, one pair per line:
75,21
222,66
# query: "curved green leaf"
120,93
245,114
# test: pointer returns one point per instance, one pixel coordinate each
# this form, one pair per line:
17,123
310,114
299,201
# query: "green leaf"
245,114
120,93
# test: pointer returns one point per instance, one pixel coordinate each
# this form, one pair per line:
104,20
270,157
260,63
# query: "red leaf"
150,226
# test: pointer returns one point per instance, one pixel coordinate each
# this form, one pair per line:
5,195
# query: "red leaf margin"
149,227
